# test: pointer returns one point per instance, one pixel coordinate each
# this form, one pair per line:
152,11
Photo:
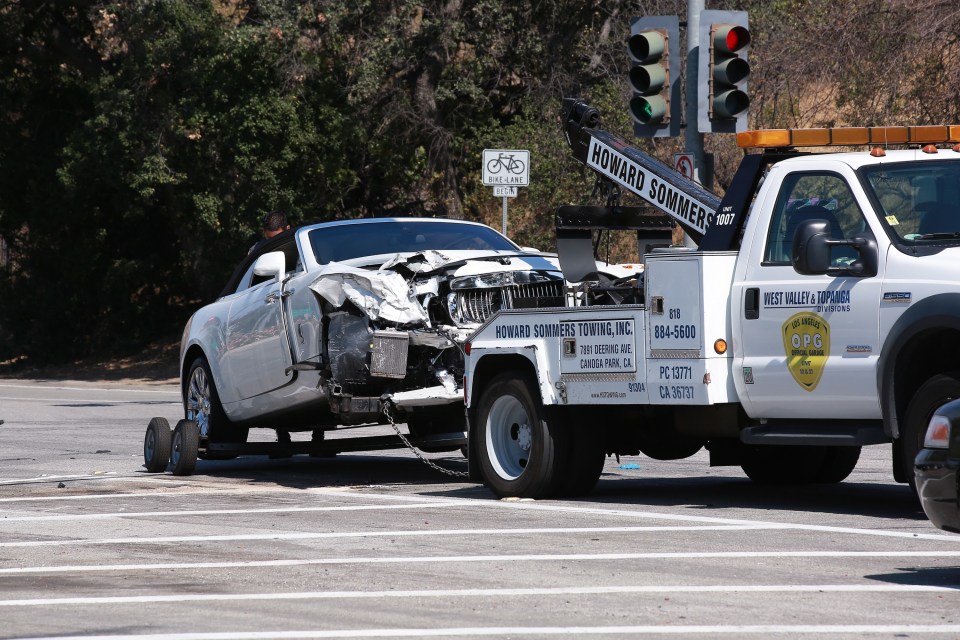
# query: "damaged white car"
322,325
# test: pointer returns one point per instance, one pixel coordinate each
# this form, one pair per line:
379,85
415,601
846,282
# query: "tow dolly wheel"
156,445
183,451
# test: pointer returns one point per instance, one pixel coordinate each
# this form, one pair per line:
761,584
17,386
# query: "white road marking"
481,593
83,401
86,476
623,513
221,512
86,389
562,632
418,502
530,557
376,534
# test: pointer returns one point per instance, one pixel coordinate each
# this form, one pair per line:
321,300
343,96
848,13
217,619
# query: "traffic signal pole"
693,137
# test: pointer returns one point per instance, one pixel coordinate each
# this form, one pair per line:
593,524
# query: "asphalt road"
379,545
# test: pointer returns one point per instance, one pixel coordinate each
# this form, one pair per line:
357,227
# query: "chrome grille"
477,305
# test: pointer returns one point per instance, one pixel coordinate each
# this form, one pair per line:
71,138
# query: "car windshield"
920,200
345,242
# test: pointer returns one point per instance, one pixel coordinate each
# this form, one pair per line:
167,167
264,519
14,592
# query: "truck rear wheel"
933,393
522,454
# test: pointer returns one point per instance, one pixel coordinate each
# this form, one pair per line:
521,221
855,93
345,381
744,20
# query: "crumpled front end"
396,331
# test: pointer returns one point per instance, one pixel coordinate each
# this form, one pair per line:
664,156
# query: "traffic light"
654,46
723,103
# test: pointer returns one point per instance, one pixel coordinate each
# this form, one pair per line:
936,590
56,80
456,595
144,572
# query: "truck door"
807,346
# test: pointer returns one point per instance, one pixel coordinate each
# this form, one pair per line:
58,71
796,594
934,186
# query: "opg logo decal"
806,341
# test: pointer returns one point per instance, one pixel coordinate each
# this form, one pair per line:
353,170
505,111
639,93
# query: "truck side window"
813,196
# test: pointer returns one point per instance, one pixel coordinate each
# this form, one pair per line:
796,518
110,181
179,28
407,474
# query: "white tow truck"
818,313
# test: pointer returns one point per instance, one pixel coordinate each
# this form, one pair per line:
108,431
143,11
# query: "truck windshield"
346,242
920,200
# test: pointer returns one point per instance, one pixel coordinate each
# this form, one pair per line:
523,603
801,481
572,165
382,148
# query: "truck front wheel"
933,393
521,452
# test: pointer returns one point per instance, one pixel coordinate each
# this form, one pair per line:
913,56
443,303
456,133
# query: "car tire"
156,445
183,449
932,394
521,453
202,406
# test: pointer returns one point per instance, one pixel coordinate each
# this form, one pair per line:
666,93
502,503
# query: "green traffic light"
648,109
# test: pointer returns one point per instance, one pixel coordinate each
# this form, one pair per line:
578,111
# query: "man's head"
273,223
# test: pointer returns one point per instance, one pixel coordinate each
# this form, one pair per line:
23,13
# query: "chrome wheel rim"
198,400
509,437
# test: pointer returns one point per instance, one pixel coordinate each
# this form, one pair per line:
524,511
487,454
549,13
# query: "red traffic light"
730,38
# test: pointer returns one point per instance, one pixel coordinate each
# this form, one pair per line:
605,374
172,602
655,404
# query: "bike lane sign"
506,167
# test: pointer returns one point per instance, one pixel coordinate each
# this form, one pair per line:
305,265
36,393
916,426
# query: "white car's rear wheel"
202,405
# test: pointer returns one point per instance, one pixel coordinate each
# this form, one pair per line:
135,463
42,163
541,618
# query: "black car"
936,468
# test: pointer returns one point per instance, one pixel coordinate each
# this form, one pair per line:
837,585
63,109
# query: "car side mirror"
811,252
271,265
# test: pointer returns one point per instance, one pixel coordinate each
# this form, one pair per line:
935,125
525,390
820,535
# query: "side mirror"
812,252
811,248
272,265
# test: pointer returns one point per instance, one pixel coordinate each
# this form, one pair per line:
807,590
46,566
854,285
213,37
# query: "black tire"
156,445
933,393
776,464
183,449
839,462
201,404
521,453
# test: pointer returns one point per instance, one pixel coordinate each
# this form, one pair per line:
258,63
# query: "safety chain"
429,463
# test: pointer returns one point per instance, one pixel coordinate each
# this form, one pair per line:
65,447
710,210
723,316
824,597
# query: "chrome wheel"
509,437
198,400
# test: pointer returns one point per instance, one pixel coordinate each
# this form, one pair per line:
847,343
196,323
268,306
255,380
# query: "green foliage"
141,140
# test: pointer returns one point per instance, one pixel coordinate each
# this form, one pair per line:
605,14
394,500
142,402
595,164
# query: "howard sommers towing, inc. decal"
806,341
645,184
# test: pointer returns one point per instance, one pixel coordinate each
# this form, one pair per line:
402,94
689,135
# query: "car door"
257,355
808,344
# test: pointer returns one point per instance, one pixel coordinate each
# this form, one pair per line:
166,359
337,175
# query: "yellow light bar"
847,136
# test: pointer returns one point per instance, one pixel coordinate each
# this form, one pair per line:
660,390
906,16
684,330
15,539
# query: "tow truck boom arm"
613,159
